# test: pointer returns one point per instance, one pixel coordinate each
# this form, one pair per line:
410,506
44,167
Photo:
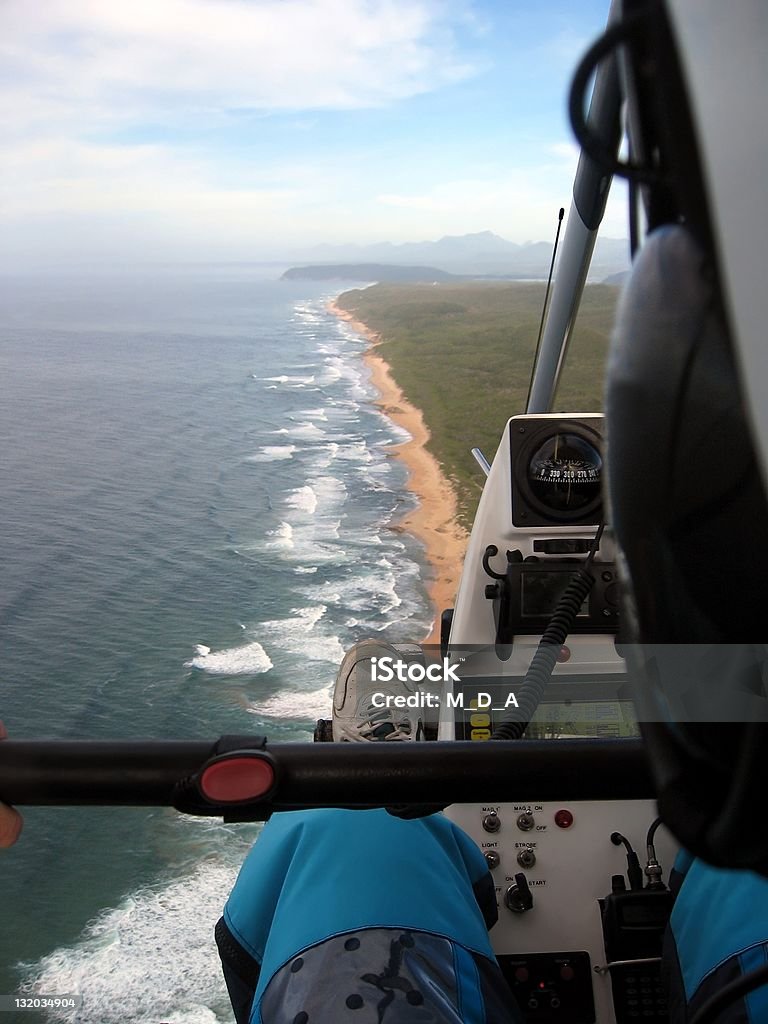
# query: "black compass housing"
557,468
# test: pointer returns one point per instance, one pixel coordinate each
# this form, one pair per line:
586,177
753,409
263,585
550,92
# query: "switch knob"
492,859
518,897
526,858
492,822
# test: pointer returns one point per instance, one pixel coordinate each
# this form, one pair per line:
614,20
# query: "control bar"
246,778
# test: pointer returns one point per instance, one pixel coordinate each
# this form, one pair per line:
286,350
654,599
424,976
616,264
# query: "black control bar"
247,778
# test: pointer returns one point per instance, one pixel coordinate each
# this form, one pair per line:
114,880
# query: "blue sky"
253,129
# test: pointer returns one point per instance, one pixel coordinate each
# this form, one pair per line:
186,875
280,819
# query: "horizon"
215,131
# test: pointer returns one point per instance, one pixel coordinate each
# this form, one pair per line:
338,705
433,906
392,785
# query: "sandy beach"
433,521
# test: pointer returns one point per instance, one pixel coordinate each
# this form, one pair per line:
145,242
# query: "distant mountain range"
483,254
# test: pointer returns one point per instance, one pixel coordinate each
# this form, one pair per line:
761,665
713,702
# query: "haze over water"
197,492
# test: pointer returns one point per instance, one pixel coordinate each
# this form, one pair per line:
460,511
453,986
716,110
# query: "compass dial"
564,473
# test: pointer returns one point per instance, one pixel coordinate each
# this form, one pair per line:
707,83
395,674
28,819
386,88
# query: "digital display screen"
642,914
540,592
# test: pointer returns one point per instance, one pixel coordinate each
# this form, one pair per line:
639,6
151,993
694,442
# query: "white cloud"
521,204
94,63
85,81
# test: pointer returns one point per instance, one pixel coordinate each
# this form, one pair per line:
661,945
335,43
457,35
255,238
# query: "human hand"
10,819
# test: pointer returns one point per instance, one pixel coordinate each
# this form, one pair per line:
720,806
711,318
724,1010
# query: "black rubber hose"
729,994
513,725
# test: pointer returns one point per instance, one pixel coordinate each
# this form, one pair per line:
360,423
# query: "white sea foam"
273,453
295,704
308,533
282,538
357,451
285,378
248,659
309,314
298,635
327,453
305,431
373,592
303,499
151,959
331,491
330,374
313,414
202,650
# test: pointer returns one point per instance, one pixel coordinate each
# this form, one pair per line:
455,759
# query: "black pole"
544,307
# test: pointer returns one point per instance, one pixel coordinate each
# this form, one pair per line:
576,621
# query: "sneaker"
356,719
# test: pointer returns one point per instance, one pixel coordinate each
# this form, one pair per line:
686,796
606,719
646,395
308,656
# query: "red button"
563,819
567,973
236,779
521,974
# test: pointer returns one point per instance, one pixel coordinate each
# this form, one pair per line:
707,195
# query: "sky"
152,130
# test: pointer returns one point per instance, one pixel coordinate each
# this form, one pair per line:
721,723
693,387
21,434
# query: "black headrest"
690,516
688,504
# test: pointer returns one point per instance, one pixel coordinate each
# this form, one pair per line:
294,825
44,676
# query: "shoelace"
363,731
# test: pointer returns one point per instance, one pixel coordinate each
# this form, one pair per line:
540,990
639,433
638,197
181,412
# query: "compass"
557,469
565,472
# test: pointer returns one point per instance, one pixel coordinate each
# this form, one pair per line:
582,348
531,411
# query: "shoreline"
433,521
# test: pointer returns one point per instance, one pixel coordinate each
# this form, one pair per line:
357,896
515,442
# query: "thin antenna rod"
544,307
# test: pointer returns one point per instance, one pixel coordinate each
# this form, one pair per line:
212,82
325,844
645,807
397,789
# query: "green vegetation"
463,352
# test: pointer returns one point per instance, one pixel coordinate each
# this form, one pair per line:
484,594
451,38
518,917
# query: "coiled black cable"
539,671
729,994
513,725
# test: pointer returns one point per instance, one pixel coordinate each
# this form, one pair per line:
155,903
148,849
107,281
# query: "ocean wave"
303,499
295,704
397,435
297,635
285,378
313,414
329,375
282,538
304,431
248,659
273,453
309,540
153,958
331,491
327,453
308,314
372,592
357,451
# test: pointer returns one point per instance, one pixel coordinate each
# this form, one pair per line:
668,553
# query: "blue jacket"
717,932
357,914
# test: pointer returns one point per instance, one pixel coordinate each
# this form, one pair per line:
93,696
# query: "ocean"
198,497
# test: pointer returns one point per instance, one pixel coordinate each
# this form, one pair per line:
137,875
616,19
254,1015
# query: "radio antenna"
544,307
